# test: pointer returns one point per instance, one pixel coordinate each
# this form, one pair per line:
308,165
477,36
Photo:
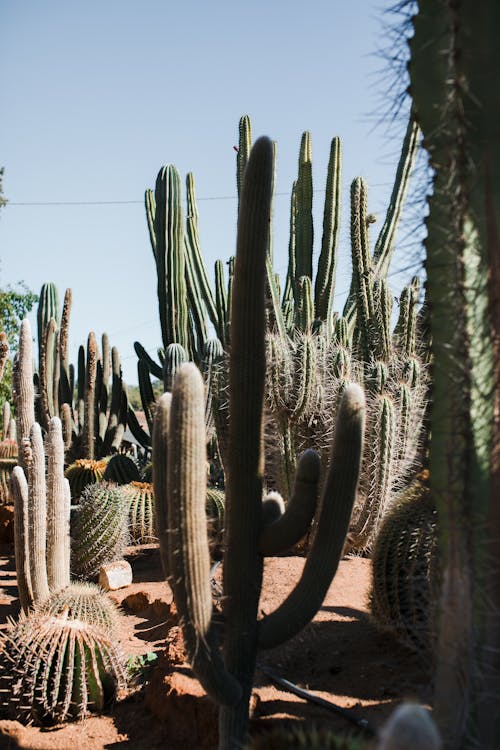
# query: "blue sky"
96,96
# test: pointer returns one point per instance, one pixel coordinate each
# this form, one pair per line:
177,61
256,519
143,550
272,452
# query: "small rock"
115,575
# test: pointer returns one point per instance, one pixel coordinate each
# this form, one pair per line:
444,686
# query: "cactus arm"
65,392
19,489
154,367
48,307
333,522
194,251
384,245
276,312
361,264
150,205
140,435
289,528
304,219
325,278
90,398
24,391
147,395
243,152
58,510
221,302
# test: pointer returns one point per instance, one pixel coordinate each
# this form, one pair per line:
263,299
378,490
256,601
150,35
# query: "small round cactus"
83,601
121,469
141,512
82,472
55,669
100,532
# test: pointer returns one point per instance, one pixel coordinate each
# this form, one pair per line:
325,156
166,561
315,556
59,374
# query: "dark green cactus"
121,469
180,480
100,532
453,57
406,572
56,669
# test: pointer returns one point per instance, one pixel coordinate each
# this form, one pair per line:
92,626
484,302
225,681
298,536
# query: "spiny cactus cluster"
82,472
141,511
85,601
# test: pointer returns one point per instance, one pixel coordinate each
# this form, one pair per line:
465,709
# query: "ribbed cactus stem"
89,398
5,419
23,386
37,532
304,218
335,508
20,496
187,544
244,148
325,278
305,304
160,463
361,262
58,509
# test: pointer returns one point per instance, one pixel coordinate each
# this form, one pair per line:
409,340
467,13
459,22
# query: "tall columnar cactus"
48,309
454,56
180,488
42,507
23,388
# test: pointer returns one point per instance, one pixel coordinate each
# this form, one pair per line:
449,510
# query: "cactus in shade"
406,570
56,669
453,55
180,488
100,533
83,472
82,601
215,509
141,511
304,738
121,469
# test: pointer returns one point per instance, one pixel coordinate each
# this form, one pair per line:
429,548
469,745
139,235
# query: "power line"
141,202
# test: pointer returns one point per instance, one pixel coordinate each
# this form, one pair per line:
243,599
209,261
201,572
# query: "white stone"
115,575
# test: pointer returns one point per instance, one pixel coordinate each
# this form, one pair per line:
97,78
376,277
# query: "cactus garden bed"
340,656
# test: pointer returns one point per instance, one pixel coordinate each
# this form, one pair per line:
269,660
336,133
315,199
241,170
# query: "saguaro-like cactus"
180,488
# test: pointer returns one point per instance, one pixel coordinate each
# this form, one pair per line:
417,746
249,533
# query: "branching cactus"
179,448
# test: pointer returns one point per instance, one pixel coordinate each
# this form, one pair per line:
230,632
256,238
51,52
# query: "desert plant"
121,469
141,511
180,488
405,563
453,56
84,601
100,532
56,669
304,738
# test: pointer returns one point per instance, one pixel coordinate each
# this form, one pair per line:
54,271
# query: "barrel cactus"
406,570
141,511
82,472
121,469
100,532
82,601
56,669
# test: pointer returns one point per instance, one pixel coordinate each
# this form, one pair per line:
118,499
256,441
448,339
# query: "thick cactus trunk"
454,58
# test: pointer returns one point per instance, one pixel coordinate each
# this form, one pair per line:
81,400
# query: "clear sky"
96,96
